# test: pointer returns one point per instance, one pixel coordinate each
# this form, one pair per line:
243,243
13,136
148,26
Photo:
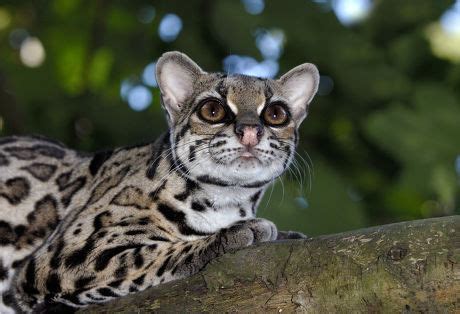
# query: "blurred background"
382,140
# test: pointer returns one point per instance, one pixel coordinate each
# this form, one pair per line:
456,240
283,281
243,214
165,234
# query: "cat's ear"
299,87
176,74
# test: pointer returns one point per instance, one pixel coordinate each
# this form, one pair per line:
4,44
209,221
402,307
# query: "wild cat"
80,229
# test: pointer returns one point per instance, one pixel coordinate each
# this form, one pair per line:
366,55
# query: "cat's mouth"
248,156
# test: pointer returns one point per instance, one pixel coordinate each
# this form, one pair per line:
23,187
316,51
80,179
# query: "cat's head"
232,129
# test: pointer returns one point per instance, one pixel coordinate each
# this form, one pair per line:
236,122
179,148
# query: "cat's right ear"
176,74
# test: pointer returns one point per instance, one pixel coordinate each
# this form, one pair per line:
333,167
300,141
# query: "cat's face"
233,129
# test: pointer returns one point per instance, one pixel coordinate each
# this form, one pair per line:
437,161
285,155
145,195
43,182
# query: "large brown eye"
212,111
275,115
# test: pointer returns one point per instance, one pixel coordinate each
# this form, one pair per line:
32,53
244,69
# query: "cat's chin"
247,161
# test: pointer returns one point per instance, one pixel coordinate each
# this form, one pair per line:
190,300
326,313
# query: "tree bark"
405,267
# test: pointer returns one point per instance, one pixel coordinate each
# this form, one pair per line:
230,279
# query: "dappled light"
254,6
350,12
450,20
170,27
32,52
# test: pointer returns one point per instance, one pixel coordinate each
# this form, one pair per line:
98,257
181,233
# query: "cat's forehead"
244,92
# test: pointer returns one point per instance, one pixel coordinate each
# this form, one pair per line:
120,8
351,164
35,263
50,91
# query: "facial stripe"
232,106
260,107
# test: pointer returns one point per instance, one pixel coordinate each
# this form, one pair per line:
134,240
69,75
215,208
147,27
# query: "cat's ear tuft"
300,86
176,74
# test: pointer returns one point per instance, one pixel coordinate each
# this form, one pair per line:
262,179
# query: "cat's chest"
214,208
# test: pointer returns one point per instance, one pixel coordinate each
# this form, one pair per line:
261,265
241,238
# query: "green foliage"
384,142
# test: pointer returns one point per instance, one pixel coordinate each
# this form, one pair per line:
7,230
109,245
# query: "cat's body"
81,229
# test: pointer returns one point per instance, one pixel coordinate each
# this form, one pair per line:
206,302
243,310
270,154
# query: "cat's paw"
285,235
248,232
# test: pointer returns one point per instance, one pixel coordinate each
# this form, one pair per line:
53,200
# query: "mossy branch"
405,267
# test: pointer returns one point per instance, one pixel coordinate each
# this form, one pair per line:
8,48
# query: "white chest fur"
229,205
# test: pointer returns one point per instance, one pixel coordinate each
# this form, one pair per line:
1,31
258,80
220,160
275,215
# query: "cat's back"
35,173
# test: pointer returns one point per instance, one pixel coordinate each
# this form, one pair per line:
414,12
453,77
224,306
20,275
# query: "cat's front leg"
240,235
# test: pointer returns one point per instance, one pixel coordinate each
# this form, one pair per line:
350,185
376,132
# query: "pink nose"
250,136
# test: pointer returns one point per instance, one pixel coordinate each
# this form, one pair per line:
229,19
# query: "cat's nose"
249,135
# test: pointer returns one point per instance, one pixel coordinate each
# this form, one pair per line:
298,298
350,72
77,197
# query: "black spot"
256,184
121,272
97,223
162,268
104,258
49,151
56,258
188,259
98,160
186,249
242,213
82,282
7,235
254,199
115,283
3,272
212,180
77,231
178,218
153,165
273,145
133,289
158,238
192,153
3,160
138,258
182,132
78,257
139,280
15,190
72,298
70,189
8,140
144,221
41,171
32,152
190,186
219,143
17,263
154,195
8,299
19,230
101,234
29,284
134,232
107,184
198,207
92,297
53,283
221,88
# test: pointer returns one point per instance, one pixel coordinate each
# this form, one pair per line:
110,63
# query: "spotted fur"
79,229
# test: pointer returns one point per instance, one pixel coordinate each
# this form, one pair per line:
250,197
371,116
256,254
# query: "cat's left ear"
299,87
176,74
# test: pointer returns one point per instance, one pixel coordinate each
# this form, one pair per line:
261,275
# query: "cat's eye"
275,115
212,111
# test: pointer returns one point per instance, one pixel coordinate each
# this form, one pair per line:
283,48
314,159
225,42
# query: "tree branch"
411,266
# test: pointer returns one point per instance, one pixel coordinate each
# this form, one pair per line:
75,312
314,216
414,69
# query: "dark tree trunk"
405,267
